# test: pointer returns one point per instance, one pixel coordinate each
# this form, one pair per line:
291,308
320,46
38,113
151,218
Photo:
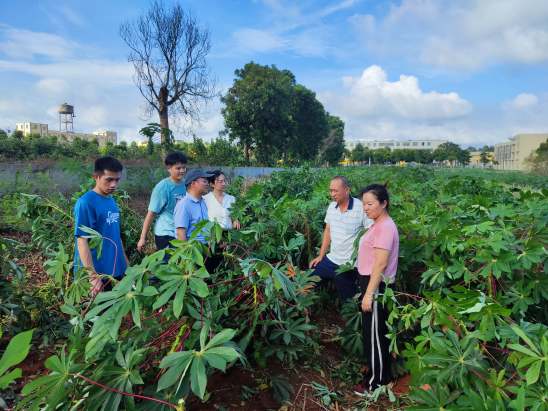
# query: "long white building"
430,145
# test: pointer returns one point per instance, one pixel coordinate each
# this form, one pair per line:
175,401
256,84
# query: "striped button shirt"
345,227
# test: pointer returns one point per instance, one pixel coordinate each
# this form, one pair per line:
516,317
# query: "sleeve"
384,238
209,207
158,199
181,216
84,215
326,220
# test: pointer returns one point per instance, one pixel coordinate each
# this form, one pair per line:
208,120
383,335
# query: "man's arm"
125,258
149,220
181,233
326,240
84,253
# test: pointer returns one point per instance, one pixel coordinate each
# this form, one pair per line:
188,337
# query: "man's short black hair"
174,158
108,163
344,181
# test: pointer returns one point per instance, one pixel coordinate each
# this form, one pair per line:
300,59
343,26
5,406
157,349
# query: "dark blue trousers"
346,282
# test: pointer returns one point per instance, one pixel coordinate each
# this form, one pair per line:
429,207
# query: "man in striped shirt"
344,220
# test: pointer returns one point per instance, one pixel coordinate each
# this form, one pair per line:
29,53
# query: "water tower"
66,114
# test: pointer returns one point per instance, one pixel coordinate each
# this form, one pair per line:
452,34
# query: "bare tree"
168,50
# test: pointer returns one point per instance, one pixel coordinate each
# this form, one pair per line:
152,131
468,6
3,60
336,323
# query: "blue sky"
473,72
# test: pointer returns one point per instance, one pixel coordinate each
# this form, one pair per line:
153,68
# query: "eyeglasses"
222,181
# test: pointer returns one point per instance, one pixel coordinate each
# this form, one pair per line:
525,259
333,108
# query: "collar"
192,198
350,203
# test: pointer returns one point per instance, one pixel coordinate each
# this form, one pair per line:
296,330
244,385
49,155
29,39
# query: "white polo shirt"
345,227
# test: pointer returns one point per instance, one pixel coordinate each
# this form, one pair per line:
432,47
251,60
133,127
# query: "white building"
430,145
44,131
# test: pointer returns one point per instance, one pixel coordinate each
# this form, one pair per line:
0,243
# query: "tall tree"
486,157
258,108
450,148
397,155
440,155
463,157
381,155
358,153
310,127
168,51
333,146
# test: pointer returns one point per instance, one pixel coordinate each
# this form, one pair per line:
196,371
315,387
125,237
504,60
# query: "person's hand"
367,304
314,262
236,225
141,245
97,285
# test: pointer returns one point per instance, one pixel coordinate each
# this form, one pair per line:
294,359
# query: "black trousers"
163,241
375,343
345,282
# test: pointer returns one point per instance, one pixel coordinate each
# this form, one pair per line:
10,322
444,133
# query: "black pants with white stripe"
375,343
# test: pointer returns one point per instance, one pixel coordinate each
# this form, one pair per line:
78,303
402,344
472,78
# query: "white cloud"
466,34
25,44
258,40
295,28
372,95
102,72
522,101
362,22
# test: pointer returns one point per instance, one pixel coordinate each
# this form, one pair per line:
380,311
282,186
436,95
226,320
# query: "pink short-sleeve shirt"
383,234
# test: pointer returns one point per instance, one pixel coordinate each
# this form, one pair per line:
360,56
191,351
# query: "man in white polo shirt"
344,220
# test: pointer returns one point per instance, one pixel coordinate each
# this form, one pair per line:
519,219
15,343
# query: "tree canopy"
271,116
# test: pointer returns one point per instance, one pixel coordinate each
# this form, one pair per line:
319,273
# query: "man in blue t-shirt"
163,200
97,210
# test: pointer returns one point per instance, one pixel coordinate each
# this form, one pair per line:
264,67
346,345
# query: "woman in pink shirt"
377,265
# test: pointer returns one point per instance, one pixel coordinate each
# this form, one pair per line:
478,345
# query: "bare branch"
168,49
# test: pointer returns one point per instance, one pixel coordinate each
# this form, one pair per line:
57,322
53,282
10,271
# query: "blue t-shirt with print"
163,200
101,214
190,211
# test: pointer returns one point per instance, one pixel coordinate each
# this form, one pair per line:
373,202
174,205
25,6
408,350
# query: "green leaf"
17,350
224,336
198,379
533,373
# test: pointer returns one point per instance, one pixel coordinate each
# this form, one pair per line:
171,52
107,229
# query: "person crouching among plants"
344,220
377,266
218,203
98,210
192,209
165,196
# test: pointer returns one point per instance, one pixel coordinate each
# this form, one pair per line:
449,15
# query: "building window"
398,144
428,143
422,143
35,126
374,144
415,144
406,144
351,144
27,126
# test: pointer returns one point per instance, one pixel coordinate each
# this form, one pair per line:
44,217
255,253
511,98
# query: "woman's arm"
381,262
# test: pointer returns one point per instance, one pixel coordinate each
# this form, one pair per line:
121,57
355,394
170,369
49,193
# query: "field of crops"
468,319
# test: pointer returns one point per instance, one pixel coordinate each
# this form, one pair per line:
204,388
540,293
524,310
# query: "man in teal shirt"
163,200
